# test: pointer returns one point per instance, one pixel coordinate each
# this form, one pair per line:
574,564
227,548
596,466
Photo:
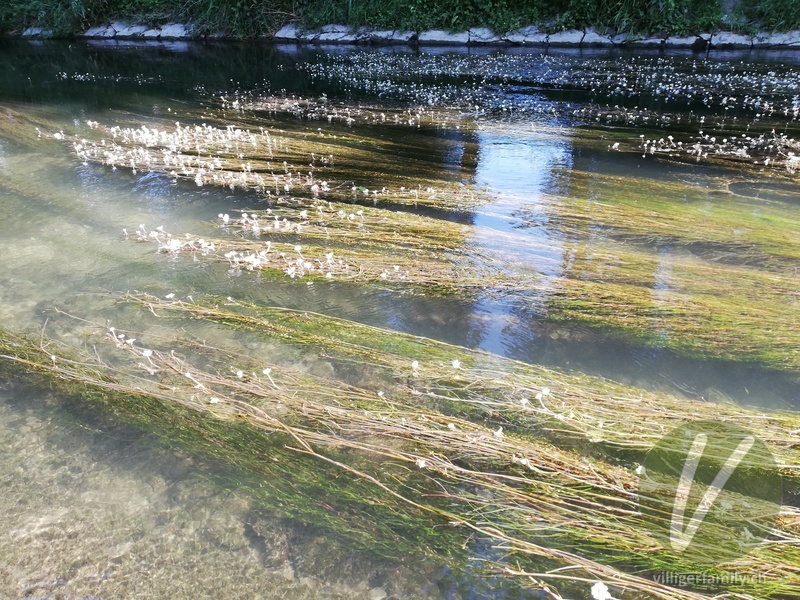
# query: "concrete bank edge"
479,36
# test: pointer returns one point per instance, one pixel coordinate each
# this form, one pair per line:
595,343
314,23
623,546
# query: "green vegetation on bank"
641,16
253,18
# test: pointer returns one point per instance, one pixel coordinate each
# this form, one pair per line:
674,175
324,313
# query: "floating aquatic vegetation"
116,78
776,149
330,111
695,306
636,116
400,461
317,259
503,81
278,163
508,393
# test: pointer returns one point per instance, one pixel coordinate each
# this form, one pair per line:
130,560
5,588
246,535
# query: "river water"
95,509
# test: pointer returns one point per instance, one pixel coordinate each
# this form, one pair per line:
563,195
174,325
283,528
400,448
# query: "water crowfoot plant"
585,239
275,163
609,287
769,149
570,407
557,509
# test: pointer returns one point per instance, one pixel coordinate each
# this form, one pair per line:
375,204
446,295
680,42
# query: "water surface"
539,146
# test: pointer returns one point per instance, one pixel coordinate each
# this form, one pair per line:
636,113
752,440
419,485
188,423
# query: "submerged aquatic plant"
279,164
570,407
703,308
611,282
419,444
549,507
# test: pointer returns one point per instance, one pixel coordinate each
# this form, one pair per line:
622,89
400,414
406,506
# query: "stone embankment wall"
527,36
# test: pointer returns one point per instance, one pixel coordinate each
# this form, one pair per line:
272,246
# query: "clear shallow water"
62,245
95,510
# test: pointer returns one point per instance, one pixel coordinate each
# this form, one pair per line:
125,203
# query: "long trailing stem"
568,405
224,407
524,488
700,308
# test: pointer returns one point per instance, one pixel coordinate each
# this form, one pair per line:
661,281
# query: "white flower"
456,364
415,364
499,432
451,426
298,248
421,463
169,296
640,470
545,391
523,401
266,371
214,400
600,591
240,374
